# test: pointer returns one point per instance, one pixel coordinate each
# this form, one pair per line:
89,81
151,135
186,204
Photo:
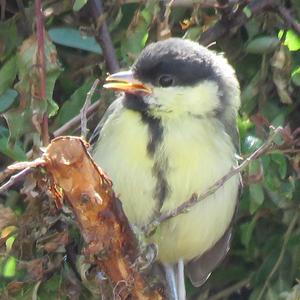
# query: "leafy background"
40,249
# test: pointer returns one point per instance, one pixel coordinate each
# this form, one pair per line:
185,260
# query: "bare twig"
103,36
24,20
286,238
3,7
40,33
84,109
230,290
15,178
194,199
286,16
237,19
76,120
183,3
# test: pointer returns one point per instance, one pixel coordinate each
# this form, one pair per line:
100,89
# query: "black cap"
186,62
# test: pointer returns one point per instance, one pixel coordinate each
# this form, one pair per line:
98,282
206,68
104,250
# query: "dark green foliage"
264,262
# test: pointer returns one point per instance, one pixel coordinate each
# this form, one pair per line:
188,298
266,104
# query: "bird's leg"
171,280
180,280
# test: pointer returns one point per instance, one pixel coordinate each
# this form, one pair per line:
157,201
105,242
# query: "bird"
172,133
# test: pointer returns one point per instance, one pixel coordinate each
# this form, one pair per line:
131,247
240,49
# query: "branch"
25,167
236,20
224,294
185,206
111,244
179,3
76,120
103,36
284,13
40,33
84,109
14,179
286,238
110,241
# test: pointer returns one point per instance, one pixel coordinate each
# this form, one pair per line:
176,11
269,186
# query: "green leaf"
262,45
279,120
244,125
71,37
266,160
14,152
79,4
246,232
116,21
280,160
257,196
266,267
9,242
9,269
52,108
296,76
249,94
137,34
271,181
71,107
193,33
251,143
9,37
7,99
287,189
254,167
292,39
7,74
20,119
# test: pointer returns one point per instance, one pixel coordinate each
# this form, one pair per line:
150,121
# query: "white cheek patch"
199,99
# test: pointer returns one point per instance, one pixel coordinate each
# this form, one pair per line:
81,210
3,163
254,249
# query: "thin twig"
179,3
76,120
281,255
3,8
237,19
103,36
230,290
194,199
24,19
286,16
84,109
15,178
40,33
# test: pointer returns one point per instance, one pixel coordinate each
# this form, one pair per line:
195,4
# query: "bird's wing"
199,268
114,107
231,128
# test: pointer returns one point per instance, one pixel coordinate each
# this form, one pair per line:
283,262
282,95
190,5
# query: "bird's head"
176,76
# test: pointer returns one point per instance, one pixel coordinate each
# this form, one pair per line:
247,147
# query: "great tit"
172,133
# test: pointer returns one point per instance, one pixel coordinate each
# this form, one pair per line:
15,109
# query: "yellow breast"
194,153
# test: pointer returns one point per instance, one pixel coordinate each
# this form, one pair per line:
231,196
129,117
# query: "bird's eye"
165,80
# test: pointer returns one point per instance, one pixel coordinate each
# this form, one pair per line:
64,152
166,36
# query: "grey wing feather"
199,268
115,106
230,126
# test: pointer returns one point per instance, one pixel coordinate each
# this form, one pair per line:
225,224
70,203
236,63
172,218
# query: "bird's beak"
124,81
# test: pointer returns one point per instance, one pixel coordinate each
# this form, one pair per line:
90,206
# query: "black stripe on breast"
162,187
160,167
155,130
